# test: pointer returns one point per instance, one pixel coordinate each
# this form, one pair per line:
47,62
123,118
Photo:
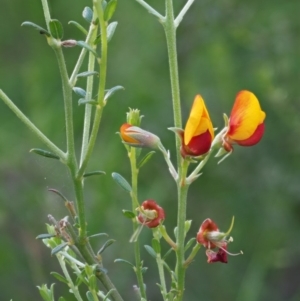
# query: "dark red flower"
150,214
210,237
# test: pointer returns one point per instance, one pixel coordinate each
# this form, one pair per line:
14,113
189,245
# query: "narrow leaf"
87,73
87,14
168,253
44,236
125,261
111,30
83,101
59,277
56,29
44,153
80,27
106,244
59,248
36,27
121,181
94,173
146,158
189,244
89,295
98,234
111,91
128,214
87,47
79,91
150,251
144,270
110,9
108,294
97,40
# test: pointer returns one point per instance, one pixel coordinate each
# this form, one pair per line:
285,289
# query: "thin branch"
183,12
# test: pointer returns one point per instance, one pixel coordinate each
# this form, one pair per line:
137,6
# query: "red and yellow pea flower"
198,133
246,122
150,214
210,237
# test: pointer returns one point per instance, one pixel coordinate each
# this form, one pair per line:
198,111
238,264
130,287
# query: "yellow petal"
199,121
245,116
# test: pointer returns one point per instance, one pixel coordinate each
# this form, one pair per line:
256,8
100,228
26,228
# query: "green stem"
67,94
161,272
88,107
90,37
101,90
52,147
182,189
46,13
183,12
170,31
134,195
68,277
151,10
191,257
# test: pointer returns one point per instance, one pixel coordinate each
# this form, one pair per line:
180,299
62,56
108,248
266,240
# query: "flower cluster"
245,126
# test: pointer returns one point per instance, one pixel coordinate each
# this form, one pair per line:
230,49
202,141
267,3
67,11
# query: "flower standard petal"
199,132
245,117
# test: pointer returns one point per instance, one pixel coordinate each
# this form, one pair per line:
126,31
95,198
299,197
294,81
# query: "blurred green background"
223,47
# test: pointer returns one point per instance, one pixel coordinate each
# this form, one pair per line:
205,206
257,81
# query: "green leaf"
121,181
87,73
36,27
97,40
44,236
156,245
125,261
146,158
110,9
79,26
106,244
89,295
189,244
111,91
47,294
144,270
168,253
59,248
59,277
94,173
87,47
61,299
79,91
83,101
56,29
44,153
111,30
150,251
98,234
87,14
128,214
108,294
